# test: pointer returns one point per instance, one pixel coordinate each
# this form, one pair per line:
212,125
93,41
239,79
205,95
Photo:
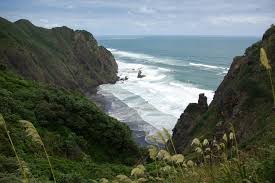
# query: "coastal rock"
187,122
140,75
243,99
124,78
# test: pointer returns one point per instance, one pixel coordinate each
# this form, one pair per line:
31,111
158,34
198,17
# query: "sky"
147,17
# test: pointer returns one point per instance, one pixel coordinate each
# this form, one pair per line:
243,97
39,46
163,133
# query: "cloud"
207,17
146,10
49,26
44,20
240,19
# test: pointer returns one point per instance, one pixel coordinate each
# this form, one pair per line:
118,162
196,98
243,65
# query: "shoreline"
105,103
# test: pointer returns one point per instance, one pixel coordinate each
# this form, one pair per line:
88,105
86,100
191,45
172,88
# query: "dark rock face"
58,56
187,122
244,99
140,75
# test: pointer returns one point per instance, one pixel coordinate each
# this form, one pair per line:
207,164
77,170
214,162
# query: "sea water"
176,68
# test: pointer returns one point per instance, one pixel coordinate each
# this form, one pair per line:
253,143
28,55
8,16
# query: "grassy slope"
60,56
80,138
244,98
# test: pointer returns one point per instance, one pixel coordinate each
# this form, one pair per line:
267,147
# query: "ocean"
176,68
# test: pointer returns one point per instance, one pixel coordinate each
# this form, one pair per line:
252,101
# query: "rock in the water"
140,75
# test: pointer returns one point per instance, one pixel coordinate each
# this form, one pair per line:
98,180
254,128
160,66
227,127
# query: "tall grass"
32,132
20,164
213,161
265,62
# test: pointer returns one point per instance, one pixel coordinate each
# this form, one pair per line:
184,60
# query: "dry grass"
20,163
265,62
34,135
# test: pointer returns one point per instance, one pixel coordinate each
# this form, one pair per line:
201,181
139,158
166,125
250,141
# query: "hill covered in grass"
59,56
83,142
244,99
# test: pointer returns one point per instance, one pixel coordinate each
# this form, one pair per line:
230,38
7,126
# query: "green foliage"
71,126
60,56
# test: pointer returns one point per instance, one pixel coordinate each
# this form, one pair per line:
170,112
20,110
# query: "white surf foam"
157,97
164,60
206,66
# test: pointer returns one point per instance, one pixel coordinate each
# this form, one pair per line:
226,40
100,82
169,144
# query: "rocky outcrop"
244,99
187,122
140,75
58,56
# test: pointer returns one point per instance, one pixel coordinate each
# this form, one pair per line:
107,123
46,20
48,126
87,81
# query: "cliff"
244,99
59,56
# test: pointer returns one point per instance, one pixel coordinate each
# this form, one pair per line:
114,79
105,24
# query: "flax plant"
32,132
265,62
22,169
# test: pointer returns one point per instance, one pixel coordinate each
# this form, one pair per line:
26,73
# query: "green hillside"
59,56
80,138
244,99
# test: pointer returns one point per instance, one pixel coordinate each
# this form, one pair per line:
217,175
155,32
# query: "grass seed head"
161,137
198,150
217,146
137,172
205,142
31,132
141,167
196,142
231,136
123,178
162,154
190,163
177,158
224,137
104,180
167,168
140,180
153,152
167,133
264,60
207,149
2,121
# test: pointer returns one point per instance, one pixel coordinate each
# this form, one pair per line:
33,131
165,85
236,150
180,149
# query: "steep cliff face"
58,56
244,98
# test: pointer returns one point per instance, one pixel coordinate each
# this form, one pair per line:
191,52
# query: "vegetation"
212,161
75,133
51,134
59,56
265,62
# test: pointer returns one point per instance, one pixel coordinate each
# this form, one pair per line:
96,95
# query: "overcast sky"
147,17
